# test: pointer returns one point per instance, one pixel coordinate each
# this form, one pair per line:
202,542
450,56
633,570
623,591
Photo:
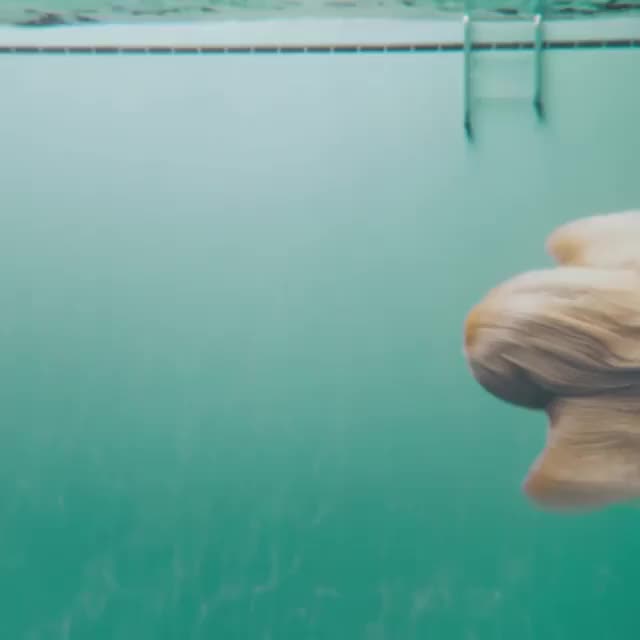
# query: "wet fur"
566,341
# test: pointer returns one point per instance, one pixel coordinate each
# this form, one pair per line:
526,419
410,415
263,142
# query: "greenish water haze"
234,404
48,13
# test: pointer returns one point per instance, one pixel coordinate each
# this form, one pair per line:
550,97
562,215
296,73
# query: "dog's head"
566,340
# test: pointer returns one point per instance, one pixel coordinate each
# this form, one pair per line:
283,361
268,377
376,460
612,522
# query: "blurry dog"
566,341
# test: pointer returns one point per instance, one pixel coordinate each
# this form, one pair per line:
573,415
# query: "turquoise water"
234,402
53,13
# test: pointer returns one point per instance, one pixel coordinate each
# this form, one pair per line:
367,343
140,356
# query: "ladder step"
502,74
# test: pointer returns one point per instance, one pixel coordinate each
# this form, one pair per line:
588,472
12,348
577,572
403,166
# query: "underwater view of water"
86,12
234,402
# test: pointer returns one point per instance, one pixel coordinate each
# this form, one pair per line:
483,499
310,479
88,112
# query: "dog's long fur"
567,341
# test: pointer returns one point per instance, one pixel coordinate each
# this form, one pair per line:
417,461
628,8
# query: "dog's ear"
559,332
592,454
608,241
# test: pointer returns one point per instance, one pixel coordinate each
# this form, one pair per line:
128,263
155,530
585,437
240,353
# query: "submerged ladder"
537,46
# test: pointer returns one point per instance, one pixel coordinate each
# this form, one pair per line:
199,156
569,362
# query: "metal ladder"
537,47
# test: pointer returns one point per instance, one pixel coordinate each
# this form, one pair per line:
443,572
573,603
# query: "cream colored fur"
566,341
